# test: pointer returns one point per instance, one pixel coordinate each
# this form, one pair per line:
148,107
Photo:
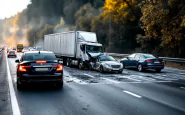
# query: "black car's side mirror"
17,61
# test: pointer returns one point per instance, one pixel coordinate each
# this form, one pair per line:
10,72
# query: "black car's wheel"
158,70
140,67
59,85
19,86
101,69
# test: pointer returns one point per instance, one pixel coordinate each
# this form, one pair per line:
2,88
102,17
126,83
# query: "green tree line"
122,26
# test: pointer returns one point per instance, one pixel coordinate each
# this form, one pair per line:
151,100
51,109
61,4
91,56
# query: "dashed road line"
89,75
133,94
14,103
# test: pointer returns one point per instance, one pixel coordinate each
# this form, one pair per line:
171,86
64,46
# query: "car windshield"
12,51
148,56
107,58
37,56
20,47
94,49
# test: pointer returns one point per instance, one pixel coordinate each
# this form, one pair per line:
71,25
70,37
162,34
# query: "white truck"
75,47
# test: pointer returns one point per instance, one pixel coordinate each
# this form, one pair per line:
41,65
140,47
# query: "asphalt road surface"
92,93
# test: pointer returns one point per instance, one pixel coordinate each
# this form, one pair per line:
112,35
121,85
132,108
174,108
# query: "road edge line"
14,103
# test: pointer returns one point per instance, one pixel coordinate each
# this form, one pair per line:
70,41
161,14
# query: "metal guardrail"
167,59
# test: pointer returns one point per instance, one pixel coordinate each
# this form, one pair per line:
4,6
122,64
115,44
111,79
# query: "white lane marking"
133,94
14,103
114,81
182,87
89,75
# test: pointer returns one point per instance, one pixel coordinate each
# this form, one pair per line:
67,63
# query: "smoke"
12,33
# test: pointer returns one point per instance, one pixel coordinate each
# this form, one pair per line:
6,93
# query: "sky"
9,8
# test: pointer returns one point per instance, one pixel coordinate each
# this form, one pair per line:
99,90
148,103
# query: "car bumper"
153,67
26,78
113,69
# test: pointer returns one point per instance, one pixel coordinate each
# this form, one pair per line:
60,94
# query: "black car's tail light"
162,61
148,61
23,68
59,68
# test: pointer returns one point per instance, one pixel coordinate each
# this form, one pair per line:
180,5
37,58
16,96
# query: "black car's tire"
158,70
101,69
19,86
140,67
59,85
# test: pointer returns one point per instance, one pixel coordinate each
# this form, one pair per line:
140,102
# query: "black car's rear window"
37,56
12,51
148,56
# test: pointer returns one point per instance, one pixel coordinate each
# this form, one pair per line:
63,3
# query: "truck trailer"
76,48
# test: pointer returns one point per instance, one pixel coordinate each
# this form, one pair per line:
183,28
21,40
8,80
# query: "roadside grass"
175,65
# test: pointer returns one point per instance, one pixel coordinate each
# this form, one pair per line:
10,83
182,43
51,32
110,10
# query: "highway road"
92,93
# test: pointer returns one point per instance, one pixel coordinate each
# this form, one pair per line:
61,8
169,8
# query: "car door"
130,61
135,60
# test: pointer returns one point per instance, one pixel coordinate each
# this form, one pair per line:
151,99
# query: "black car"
143,61
39,67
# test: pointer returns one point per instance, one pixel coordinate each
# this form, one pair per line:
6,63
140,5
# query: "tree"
164,20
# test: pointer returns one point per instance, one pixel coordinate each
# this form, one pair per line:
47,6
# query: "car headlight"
107,66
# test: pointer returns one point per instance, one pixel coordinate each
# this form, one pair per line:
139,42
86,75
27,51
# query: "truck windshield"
94,49
20,47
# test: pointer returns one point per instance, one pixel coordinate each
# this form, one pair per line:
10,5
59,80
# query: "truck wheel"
101,69
80,65
64,61
90,67
68,63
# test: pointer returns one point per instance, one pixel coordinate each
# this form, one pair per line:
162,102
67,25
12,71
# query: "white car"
104,63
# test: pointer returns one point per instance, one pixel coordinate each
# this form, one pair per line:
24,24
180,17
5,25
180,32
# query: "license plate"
115,69
41,69
156,62
12,53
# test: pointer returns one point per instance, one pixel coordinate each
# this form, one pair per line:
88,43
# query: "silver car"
105,63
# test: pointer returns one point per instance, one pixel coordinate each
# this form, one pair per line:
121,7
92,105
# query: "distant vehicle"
13,48
19,47
39,48
142,61
11,53
25,50
75,47
40,67
104,63
8,49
